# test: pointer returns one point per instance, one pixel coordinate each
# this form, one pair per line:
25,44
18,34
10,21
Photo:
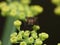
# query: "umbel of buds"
19,9
28,37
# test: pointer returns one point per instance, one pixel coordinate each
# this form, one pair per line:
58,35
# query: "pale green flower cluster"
28,37
19,9
57,9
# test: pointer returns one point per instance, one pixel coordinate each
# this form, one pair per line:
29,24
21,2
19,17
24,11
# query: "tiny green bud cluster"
19,9
28,37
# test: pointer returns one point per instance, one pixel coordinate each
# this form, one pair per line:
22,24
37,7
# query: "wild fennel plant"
16,10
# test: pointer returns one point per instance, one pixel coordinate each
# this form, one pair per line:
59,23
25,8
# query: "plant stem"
9,28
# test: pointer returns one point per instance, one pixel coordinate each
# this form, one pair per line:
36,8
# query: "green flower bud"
13,39
36,27
23,43
33,31
57,10
27,31
26,34
21,8
29,14
21,33
43,36
56,2
19,37
13,34
2,4
22,16
38,42
30,40
36,9
58,44
17,23
38,39
34,35
13,12
6,8
13,6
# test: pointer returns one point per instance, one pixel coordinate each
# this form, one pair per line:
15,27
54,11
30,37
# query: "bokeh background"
48,21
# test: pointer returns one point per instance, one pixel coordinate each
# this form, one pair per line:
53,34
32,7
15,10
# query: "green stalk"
9,28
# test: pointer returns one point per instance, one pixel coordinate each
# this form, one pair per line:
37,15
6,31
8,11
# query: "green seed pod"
17,23
36,27
23,43
43,36
30,40
57,10
13,39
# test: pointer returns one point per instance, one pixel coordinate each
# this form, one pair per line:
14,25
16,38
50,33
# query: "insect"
31,20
